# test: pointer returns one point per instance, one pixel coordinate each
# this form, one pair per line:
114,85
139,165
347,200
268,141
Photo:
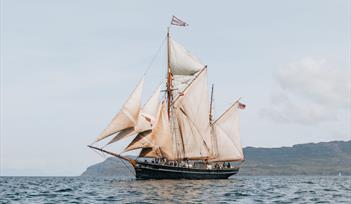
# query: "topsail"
184,66
182,61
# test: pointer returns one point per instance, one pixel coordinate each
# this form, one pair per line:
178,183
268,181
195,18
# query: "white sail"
160,139
146,118
150,153
184,67
127,116
192,112
122,134
180,82
142,140
226,132
148,114
181,60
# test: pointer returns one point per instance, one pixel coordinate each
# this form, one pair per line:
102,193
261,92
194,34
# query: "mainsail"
192,109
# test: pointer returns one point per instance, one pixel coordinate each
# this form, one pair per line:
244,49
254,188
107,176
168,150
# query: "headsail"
146,138
146,118
158,143
127,116
226,132
148,114
142,140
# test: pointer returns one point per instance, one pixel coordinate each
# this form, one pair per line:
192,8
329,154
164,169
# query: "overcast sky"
67,67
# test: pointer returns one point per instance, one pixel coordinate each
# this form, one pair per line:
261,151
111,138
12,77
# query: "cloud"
310,91
317,80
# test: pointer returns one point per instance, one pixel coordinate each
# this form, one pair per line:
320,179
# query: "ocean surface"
238,189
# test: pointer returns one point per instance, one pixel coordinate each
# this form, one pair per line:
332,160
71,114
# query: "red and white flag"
176,21
242,106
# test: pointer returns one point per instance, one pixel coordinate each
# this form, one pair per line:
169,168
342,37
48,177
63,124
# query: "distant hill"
324,158
111,167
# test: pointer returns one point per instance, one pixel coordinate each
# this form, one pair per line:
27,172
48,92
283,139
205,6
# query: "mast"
170,97
169,77
214,138
211,105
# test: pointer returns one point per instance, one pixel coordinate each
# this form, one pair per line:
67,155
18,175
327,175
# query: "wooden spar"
211,105
169,77
131,161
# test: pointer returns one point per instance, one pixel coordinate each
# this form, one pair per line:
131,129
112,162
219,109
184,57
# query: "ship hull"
156,171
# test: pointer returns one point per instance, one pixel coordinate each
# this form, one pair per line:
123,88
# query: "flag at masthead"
176,21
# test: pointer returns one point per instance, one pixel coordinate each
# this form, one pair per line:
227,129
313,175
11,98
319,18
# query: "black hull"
156,171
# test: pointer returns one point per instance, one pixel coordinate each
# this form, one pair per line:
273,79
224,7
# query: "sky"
68,66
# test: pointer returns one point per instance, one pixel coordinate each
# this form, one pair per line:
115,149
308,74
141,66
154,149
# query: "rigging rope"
103,155
154,57
127,167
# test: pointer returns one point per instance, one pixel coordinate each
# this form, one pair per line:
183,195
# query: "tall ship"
175,130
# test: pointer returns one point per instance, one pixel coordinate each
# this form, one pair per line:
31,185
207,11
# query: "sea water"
237,189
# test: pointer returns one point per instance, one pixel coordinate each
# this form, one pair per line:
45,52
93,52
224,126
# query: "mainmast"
170,96
169,77
178,140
